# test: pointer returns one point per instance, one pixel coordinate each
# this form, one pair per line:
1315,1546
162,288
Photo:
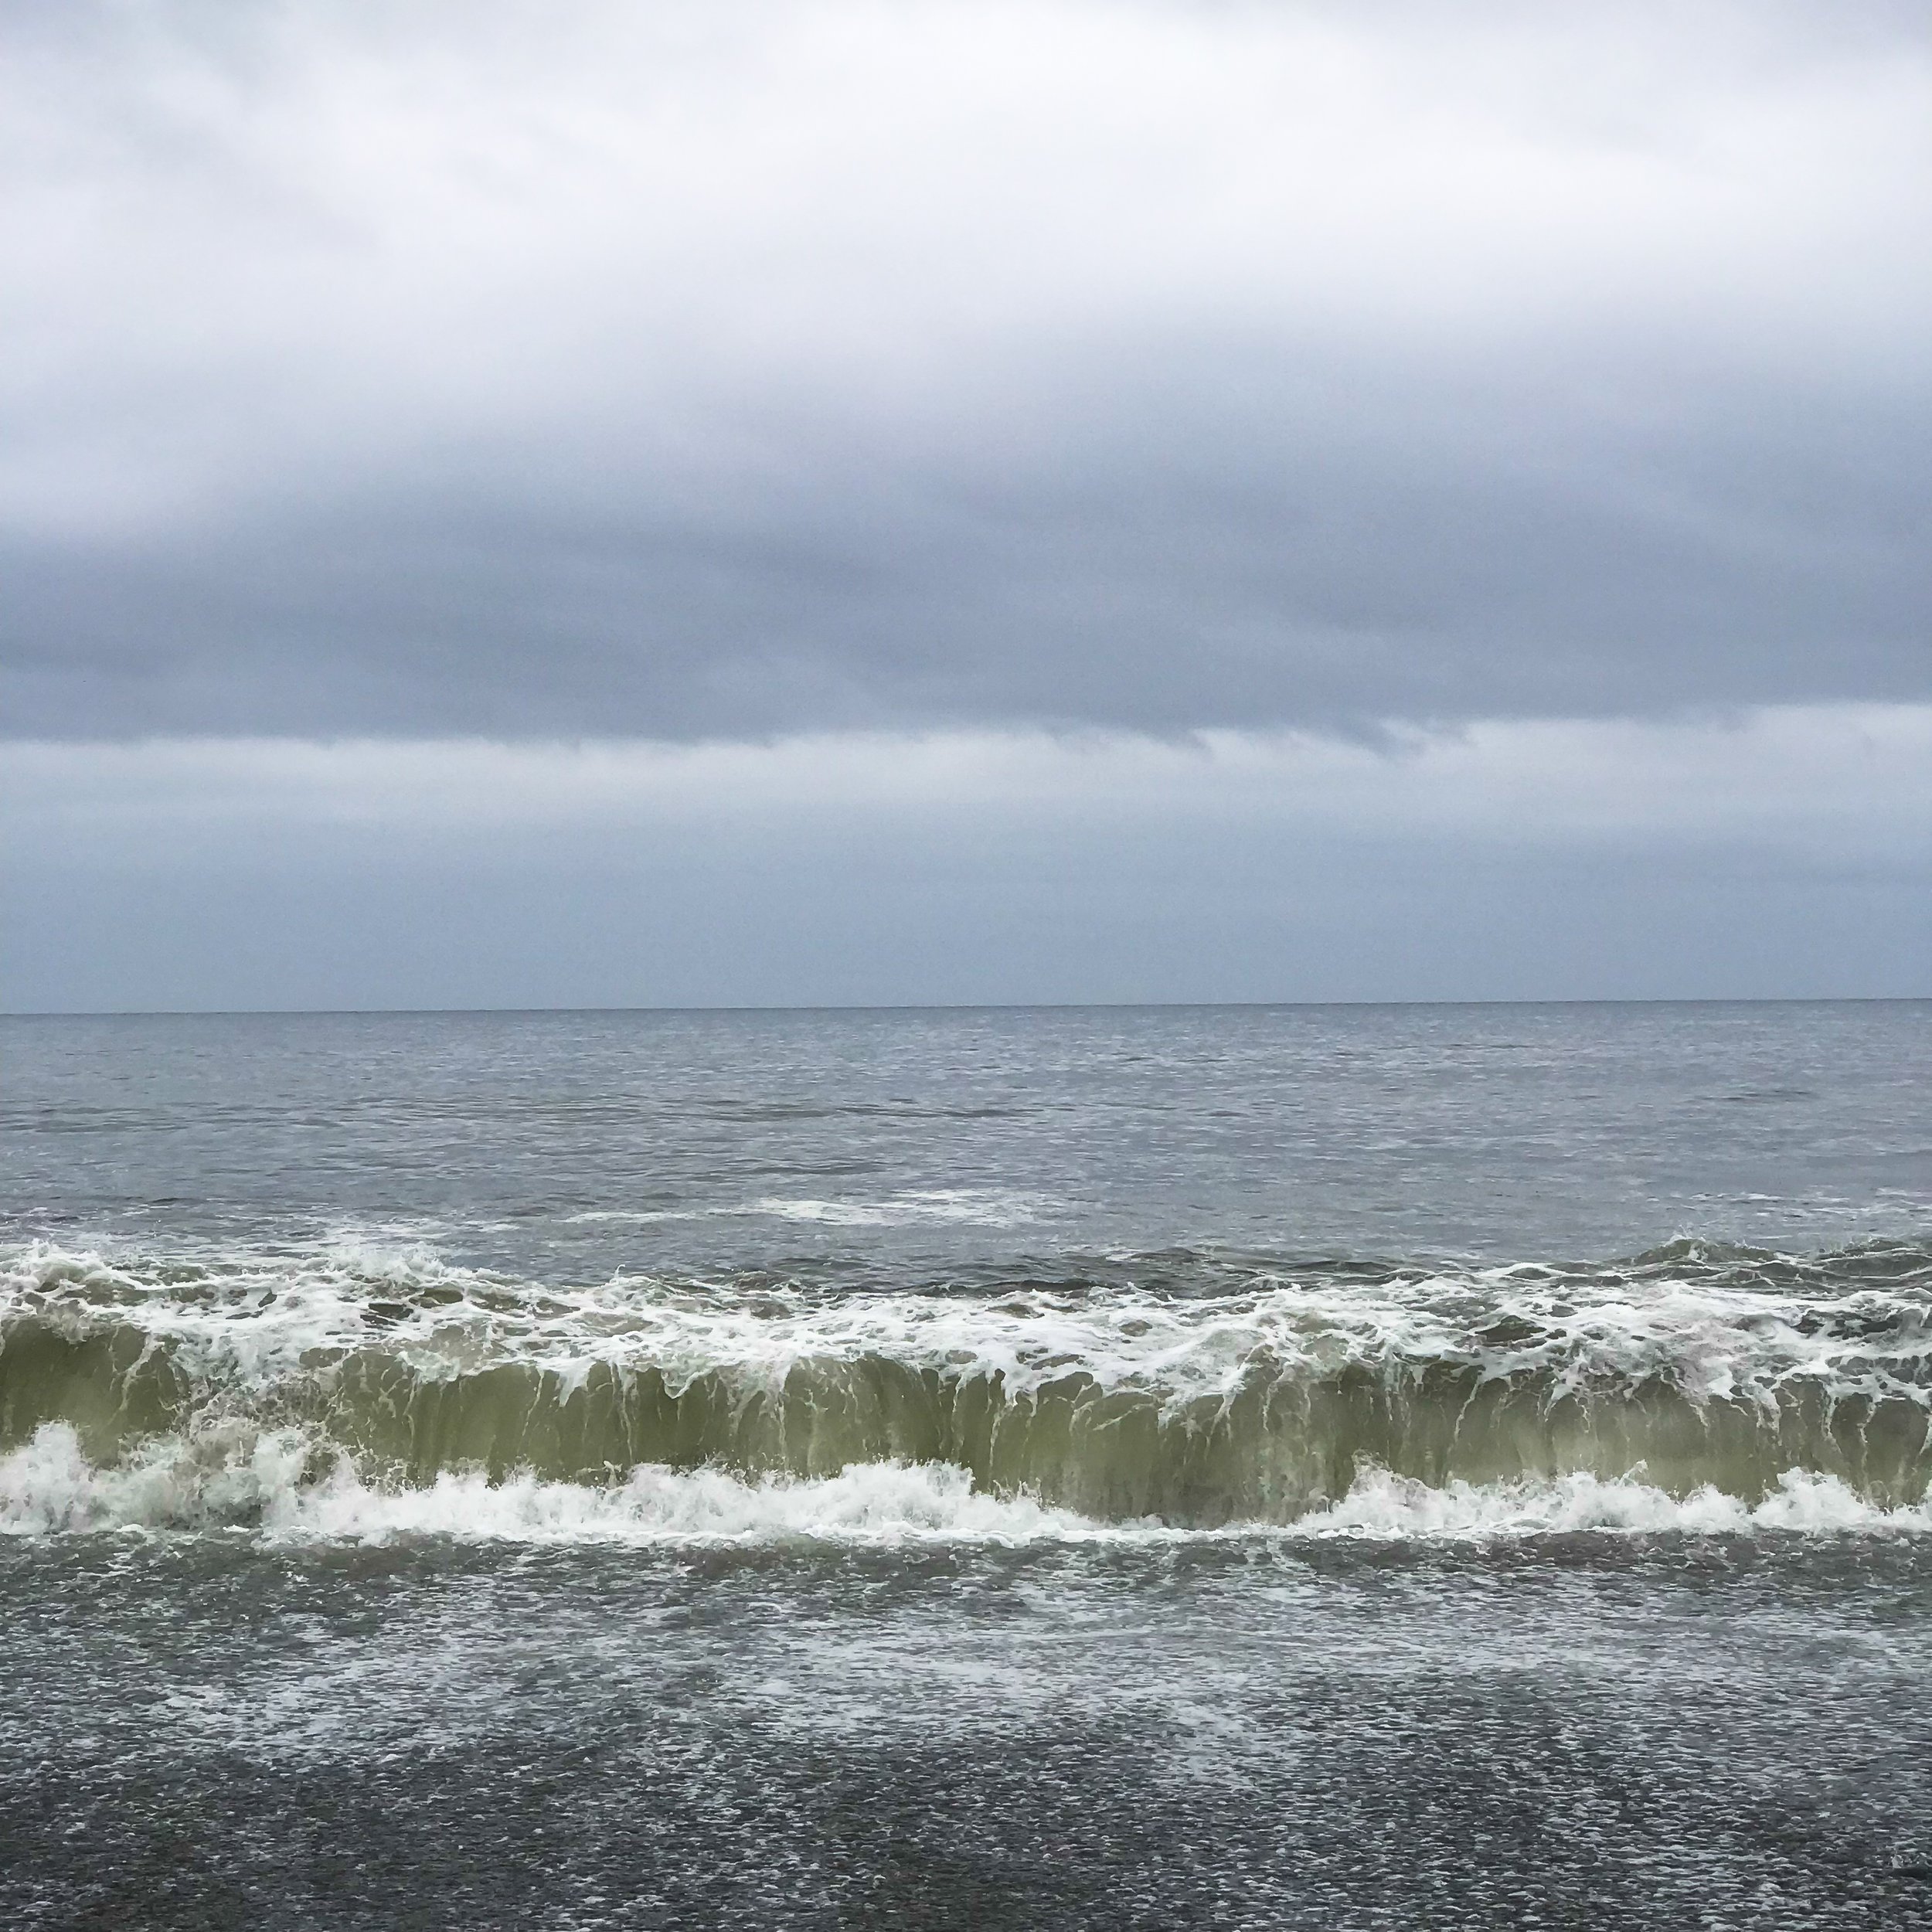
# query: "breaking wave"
352,1392
264,1482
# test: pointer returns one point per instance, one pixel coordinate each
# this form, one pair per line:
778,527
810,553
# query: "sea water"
1326,1467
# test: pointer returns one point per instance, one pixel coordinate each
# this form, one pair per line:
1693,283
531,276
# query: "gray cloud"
1787,853
698,373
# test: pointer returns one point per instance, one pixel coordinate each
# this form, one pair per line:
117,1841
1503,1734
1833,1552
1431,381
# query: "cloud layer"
1785,852
1825,780
724,371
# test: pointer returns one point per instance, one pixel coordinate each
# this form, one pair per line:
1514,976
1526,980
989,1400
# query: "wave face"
344,1390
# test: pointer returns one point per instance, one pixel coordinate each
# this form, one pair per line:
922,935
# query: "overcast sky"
912,500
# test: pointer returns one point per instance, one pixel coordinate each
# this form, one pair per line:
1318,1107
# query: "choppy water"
1427,1466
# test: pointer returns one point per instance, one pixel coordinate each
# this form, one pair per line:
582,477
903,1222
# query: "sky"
632,504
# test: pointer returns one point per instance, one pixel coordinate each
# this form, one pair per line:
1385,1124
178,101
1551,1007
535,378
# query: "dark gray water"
1424,1466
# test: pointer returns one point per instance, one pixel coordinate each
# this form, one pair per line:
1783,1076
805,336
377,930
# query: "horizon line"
959,1006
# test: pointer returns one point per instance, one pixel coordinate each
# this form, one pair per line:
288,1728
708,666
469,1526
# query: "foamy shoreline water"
1352,1468
49,1487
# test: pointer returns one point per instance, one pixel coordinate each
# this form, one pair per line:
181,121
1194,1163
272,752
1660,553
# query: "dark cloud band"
825,372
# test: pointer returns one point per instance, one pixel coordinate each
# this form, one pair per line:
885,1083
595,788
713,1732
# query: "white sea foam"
49,1487
251,1316
1382,1505
984,1207
966,1206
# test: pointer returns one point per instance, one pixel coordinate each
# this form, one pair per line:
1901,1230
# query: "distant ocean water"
1328,1467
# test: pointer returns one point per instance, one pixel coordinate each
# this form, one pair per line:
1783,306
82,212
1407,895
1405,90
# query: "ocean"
1339,1467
